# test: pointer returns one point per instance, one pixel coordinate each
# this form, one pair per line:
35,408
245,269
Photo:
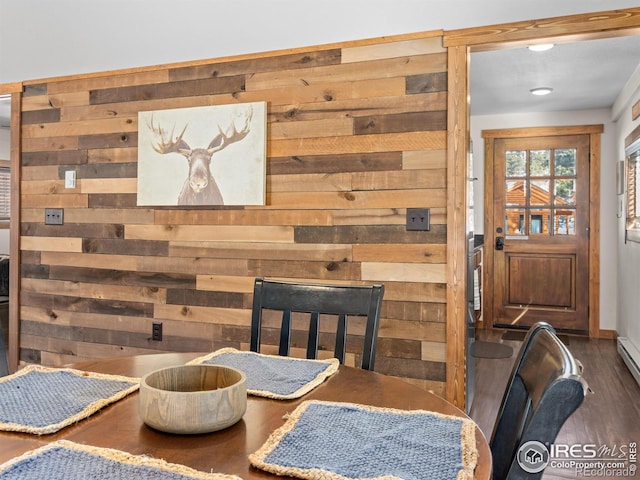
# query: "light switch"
70,179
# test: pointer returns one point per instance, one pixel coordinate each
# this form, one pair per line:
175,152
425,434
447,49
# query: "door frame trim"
594,132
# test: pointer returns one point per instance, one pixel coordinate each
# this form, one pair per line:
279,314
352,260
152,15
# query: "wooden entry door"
539,236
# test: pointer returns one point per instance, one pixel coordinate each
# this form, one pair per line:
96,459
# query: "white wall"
608,201
5,137
628,261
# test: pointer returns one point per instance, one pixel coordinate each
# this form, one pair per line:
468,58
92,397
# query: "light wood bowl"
193,399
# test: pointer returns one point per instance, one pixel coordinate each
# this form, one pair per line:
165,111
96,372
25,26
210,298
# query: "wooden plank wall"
356,135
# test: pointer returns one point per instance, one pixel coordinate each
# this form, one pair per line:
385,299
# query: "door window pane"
540,194
565,222
540,163
565,162
516,192
514,221
516,163
539,221
565,192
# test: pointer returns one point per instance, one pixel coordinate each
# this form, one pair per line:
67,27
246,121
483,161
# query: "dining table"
119,425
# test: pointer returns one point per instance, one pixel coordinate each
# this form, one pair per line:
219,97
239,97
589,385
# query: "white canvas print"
203,155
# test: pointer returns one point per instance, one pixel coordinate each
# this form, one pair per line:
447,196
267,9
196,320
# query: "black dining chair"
318,301
544,389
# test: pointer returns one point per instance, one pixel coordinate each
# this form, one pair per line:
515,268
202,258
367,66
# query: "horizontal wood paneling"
356,135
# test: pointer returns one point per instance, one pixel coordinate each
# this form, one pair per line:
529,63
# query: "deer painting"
200,186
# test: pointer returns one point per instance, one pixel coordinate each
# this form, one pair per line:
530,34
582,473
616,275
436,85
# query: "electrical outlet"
53,216
156,331
418,219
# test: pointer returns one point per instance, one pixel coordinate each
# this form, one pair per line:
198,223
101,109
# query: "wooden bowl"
193,399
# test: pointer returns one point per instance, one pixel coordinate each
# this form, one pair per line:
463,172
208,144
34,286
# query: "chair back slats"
285,333
341,338
317,300
544,389
314,335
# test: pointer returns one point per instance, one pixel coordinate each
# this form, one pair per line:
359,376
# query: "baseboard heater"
631,356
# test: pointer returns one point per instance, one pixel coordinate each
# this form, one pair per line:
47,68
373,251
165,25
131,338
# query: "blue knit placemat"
43,400
71,461
274,376
347,441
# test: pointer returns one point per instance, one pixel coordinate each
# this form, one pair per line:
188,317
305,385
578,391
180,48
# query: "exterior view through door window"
540,192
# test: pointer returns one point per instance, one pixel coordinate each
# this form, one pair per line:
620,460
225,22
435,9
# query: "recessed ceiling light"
541,90
543,47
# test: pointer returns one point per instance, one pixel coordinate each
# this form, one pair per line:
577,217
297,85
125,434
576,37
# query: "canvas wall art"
213,155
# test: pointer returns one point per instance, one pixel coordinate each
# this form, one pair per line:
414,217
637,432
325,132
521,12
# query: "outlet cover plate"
418,219
53,216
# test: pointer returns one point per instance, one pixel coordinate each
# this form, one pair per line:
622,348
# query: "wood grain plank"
99,230
42,172
401,122
114,276
51,244
225,233
95,290
427,83
86,83
57,101
54,201
400,253
108,185
222,316
49,144
112,155
425,331
263,251
249,216
360,103
42,129
423,179
350,72
369,234
167,90
287,61
193,265
403,272
87,260
226,283
426,198
414,311
85,215
424,159
202,298
39,159
41,116
336,163
328,182
108,200
322,270
360,143
422,46
124,247
313,128
415,292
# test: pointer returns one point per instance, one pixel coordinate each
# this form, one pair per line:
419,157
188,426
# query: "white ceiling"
584,75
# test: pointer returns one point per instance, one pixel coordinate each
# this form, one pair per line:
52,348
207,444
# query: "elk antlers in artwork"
163,142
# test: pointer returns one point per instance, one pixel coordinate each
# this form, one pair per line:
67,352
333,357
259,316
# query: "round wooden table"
119,425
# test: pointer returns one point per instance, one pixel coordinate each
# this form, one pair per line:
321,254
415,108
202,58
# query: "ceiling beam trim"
567,28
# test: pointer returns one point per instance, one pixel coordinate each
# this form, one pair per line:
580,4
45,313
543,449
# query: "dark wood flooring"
610,415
